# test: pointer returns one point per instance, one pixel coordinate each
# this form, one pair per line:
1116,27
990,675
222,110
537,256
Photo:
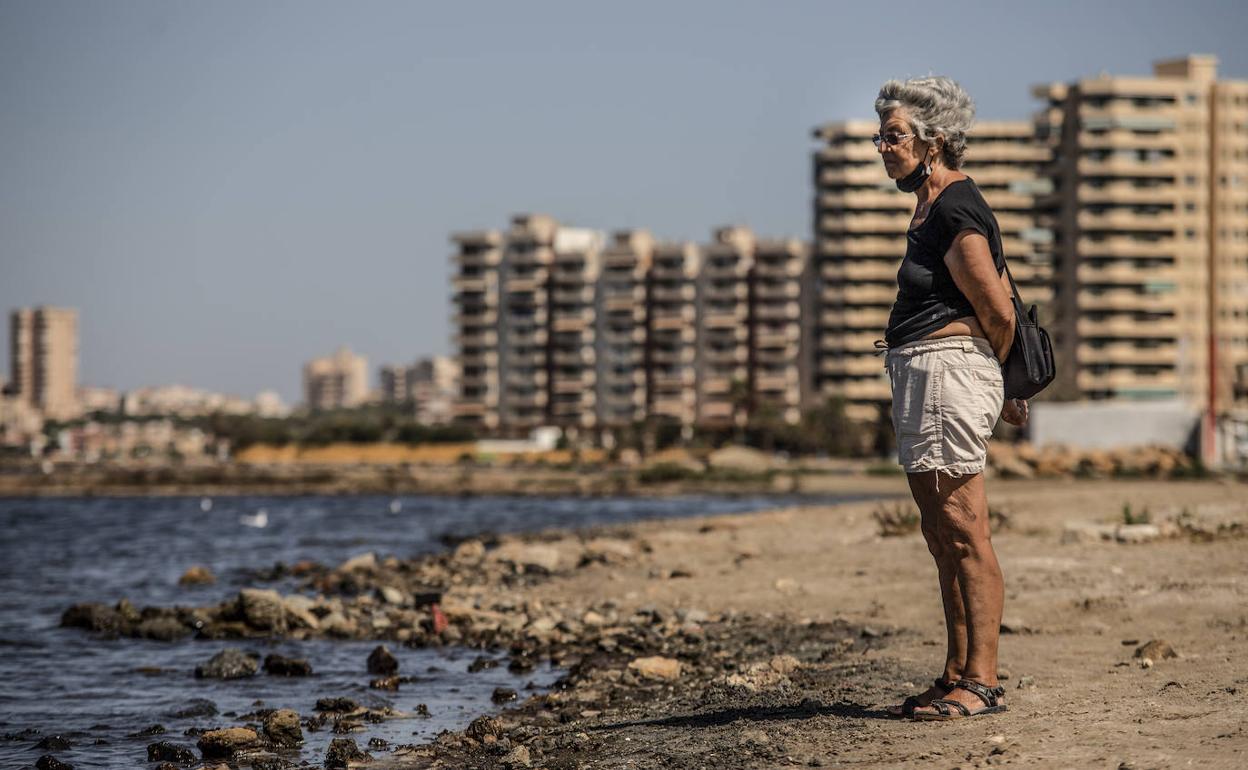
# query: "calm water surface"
98,694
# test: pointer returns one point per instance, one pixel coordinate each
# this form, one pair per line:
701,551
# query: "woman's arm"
970,263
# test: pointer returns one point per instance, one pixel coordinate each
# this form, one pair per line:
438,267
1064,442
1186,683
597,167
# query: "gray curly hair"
936,106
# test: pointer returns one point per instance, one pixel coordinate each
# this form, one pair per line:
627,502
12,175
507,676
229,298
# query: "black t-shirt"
927,297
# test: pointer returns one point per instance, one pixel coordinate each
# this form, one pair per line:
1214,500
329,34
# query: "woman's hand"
1014,411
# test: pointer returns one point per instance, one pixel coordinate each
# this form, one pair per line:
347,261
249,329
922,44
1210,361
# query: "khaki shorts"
947,396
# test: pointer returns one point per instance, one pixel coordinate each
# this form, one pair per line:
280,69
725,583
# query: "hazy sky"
226,189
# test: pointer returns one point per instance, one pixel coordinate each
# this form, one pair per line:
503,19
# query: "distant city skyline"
226,191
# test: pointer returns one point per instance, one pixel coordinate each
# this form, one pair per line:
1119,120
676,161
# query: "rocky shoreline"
774,639
475,595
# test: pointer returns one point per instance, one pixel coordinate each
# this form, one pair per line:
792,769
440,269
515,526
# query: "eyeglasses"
892,139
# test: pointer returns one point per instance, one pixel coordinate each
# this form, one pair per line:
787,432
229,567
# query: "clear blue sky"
226,189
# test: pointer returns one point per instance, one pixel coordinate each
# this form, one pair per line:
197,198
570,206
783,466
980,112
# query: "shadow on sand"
755,714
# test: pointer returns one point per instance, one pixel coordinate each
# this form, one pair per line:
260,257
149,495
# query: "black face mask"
915,179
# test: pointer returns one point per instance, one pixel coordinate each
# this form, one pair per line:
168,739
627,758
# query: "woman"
952,325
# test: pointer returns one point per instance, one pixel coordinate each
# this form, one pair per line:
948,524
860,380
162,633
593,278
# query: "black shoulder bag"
1029,367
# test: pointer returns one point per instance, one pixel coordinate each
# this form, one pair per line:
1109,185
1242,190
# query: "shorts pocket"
971,400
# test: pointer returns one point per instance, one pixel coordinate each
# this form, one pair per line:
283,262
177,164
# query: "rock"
483,727
230,663
1003,674
197,575
280,665
784,664
149,730
162,629
299,612
533,557
503,695
592,618
225,743
1026,682
93,617
343,751
391,595
469,552
196,707
262,609
381,662
49,762
336,705
390,683
365,561
481,663
54,743
164,751
517,757
787,586
1013,625
1137,533
1085,532
1157,649
656,667
282,728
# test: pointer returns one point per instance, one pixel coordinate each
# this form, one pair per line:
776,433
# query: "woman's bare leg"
922,486
965,542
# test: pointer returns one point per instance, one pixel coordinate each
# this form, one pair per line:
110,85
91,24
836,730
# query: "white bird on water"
396,506
259,520
205,504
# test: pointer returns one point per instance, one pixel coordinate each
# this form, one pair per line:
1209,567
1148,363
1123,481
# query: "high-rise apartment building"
781,304
860,223
429,387
574,352
674,346
724,384
43,359
588,334
478,258
622,321
339,381
1151,205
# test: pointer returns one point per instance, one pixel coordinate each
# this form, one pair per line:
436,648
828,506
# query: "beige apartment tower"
622,321
478,258
1151,203
860,222
673,344
339,381
574,352
43,359
781,300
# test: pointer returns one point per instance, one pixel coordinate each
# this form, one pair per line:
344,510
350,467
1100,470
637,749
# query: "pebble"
230,663
342,752
381,662
1157,649
656,667
197,575
279,665
223,744
164,751
282,727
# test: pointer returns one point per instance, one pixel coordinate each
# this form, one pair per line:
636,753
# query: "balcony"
1166,222
1128,328
786,291
777,312
1128,247
838,271
852,366
1120,353
721,320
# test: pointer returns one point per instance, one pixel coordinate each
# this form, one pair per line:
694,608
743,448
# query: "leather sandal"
907,707
945,708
